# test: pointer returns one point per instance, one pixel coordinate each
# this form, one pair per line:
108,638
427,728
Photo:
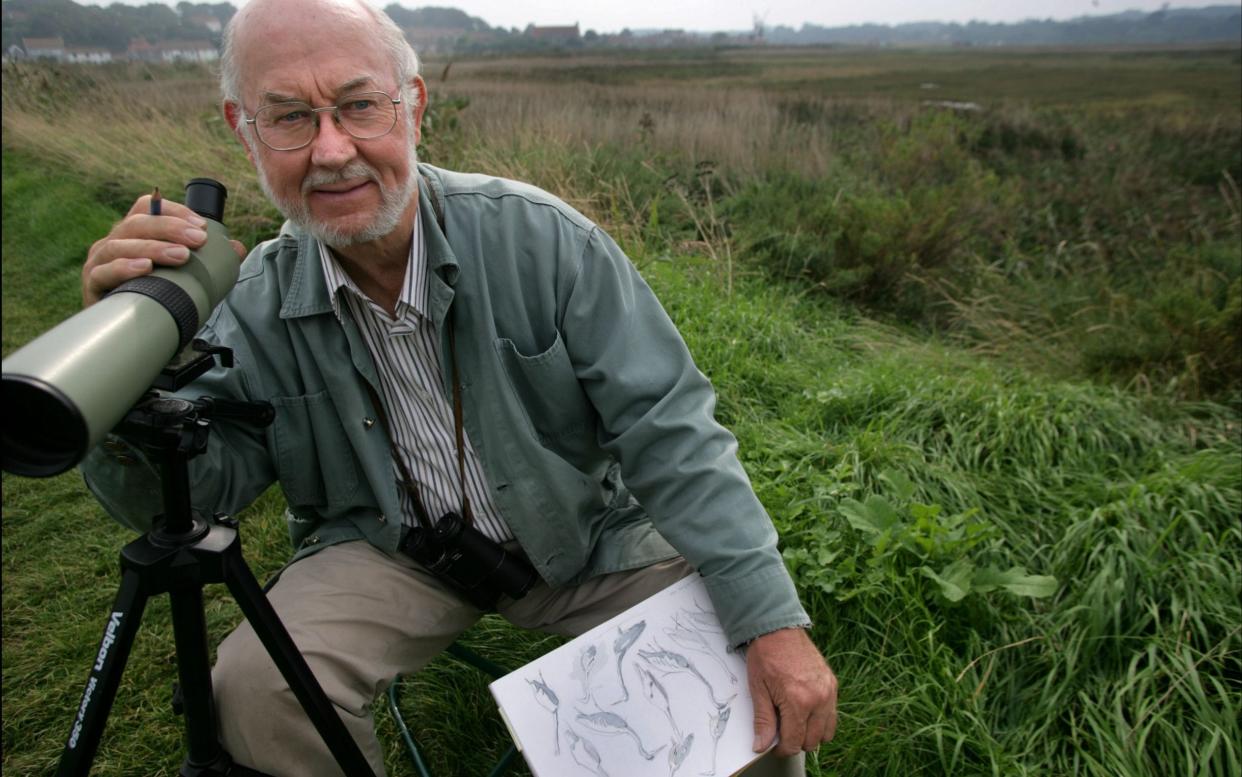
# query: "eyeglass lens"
290,125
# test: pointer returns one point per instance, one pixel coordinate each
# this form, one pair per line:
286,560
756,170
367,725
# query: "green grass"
909,476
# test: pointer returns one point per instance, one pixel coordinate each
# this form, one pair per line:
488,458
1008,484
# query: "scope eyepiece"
205,196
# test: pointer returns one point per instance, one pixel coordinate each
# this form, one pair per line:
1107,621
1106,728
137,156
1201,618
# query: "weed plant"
1013,570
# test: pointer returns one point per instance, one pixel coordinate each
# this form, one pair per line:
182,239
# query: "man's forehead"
285,94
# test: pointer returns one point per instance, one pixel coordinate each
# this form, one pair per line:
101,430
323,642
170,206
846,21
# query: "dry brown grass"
744,131
132,128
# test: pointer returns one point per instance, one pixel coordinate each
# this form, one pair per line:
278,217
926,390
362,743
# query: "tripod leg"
105,677
292,665
194,673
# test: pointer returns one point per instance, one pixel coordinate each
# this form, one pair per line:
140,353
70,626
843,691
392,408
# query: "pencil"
156,202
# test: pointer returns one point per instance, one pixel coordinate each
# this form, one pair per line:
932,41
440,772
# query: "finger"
793,731
169,229
765,717
158,251
816,730
103,278
239,247
142,207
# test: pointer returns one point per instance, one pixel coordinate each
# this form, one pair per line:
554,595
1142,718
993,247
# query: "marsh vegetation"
974,317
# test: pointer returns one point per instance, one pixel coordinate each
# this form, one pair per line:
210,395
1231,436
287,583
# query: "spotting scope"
67,388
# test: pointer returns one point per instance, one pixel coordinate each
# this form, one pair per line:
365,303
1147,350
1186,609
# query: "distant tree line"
115,26
1221,23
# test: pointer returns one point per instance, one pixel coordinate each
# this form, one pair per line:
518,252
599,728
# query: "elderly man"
439,343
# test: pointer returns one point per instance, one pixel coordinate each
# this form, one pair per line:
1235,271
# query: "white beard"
393,203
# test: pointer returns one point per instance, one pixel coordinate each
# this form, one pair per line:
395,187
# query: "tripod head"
175,430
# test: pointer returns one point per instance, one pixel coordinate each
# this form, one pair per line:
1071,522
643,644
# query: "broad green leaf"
1016,581
954,580
875,516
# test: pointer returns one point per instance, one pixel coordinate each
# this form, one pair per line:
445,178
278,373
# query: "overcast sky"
712,15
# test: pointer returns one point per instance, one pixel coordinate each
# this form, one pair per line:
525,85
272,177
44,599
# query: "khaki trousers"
361,618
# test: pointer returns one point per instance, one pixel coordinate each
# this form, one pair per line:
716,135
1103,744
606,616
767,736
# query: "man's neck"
378,267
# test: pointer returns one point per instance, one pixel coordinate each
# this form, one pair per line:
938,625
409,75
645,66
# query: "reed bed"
977,364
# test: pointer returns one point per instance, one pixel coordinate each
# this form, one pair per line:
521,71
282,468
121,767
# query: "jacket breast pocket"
549,391
314,460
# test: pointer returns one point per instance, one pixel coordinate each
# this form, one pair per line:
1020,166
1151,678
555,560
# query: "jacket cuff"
764,601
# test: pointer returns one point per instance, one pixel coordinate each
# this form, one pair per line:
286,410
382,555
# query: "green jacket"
594,427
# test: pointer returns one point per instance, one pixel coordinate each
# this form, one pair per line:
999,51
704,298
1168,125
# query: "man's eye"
290,117
358,104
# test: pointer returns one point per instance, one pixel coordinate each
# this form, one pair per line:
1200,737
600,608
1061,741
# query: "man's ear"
418,87
233,115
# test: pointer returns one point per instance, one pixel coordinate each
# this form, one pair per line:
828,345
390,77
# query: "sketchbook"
654,691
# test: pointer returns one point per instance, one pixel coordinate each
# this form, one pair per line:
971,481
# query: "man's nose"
332,147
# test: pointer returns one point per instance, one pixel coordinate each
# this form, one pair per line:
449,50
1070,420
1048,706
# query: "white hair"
400,53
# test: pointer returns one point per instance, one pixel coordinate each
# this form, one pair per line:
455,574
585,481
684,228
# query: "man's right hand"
139,242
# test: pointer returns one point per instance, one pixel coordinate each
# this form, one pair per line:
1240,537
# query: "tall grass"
1099,237
1013,571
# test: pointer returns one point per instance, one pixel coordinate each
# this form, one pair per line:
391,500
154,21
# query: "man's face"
339,227
343,190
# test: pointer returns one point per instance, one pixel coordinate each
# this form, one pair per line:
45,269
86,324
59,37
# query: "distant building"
44,48
554,34
172,51
87,55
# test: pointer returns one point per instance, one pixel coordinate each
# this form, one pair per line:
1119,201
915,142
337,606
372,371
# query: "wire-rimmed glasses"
286,126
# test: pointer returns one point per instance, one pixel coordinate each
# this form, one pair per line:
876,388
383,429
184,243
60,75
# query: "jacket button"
312,540
367,423
382,518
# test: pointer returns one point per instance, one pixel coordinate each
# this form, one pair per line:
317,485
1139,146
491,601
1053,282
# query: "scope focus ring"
175,300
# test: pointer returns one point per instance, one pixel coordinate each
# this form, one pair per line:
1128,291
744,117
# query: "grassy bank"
1015,568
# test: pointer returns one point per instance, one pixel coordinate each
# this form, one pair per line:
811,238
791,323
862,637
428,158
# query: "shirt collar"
413,289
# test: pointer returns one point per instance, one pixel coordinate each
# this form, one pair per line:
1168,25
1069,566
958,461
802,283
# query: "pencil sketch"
623,643
656,694
588,661
649,693
677,755
691,639
612,724
716,726
547,699
584,753
703,617
669,662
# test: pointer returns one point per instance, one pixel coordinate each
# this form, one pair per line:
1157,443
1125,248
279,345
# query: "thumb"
765,717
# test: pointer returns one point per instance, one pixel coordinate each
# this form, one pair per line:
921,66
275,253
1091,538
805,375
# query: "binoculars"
477,566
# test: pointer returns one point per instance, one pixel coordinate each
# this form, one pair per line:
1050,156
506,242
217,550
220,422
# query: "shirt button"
367,423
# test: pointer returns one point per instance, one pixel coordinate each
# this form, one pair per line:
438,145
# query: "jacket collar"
307,293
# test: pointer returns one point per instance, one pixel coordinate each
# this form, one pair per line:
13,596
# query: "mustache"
352,171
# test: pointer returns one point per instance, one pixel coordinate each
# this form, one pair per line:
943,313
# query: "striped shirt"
406,353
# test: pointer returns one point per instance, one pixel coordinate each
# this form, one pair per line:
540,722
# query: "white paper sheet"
654,691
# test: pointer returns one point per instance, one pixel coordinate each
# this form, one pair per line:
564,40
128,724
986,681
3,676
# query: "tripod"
182,553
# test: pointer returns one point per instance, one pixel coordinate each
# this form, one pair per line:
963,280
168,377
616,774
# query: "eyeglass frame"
335,108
